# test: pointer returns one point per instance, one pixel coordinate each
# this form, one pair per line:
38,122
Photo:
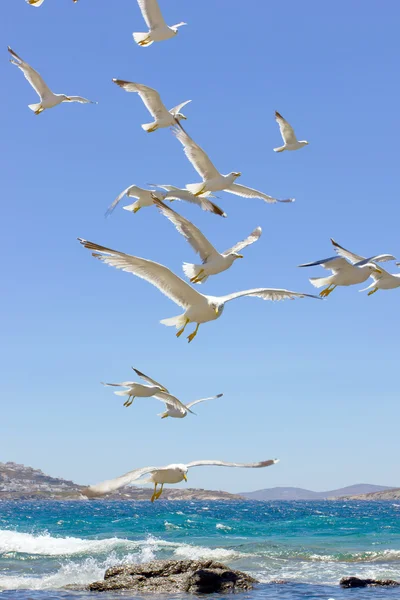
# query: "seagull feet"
144,42
200,192
129,401
136,209
325,293
193,334
199,277
39,110
373,291
179,333
152,129
158,494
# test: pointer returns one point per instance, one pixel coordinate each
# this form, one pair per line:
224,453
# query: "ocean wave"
223,527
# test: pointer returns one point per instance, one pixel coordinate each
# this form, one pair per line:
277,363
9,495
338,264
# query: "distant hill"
293,493
391,494
18,482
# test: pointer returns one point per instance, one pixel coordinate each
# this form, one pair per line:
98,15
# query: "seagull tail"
142,37
319,282
280,149
149,127
195,188
177,322
192,272
132,207
34,107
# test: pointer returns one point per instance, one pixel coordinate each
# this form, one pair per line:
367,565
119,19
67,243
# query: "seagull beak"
216,310
185,478
183,117
378,271
240,256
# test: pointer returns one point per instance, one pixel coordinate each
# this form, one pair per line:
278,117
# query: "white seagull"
357,258
158,29
147,197
383,281
199,308
139,390
47,98
152,101
214,262
213,181
39,2
162,475
179,412
288,135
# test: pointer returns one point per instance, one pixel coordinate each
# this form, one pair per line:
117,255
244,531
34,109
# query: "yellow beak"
240,255
185,478
216,310
378,271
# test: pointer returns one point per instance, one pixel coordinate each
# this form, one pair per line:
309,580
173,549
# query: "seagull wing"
122,384
196,239
353,258
221,463
161,277
267,294
253,237
287,131
150,97
174,193
129,191
178,108
196,155
149,379
171,401
190,404
334,264
31,75
380,258
79,99
106,487
151,14
246,192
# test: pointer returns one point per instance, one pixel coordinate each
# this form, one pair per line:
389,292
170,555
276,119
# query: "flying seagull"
199,308
158,29
213,181
139,390
383,281
213,261
147,197
288,135
162,475
47,98
39,2
152,101
181,411
357,258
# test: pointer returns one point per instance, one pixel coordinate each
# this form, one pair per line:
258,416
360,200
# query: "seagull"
199,308
152,101
161,475
179,412
159,30
288,135
383,281
213,181
147,197
138,389
213,261
357,258
47,98
39,2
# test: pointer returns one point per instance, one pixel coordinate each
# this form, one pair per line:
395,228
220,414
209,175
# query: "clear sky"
313,383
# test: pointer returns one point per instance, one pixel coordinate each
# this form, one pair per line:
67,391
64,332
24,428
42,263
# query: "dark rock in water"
169,576
356,582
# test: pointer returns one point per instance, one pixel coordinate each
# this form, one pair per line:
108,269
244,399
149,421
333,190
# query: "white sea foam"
223,527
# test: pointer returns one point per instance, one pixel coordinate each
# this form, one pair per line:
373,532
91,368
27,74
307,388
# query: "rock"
356,582
171,576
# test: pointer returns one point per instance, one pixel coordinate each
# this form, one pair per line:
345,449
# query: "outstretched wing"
246,192
151,14
129,191
196,155
253,237
334,264
190,404
174,193
149,379
174,111
267,294
196,239
150,97
172,401
221,463
31,75
287,131
380,258
106,487
79,99
161,277
351,256
122,384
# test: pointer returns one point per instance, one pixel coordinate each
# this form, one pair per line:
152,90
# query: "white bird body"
47,98
180,411
152,100
288,135
158,29
213,180
213,261
174,473
199,308
383,281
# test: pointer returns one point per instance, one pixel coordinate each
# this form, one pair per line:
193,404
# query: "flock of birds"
347,268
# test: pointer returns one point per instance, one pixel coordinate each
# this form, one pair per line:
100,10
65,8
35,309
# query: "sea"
297,550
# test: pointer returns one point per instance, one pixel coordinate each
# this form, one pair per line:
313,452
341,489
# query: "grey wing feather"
151,14
287,131
196,155
334,263
190,404
221,463
253,237
246,192
31,75
111,485
178,108
268,294
351,256
149,379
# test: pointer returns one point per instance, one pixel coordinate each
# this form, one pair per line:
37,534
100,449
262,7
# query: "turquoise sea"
309,545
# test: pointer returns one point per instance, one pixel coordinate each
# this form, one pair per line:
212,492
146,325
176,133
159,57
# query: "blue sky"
313,383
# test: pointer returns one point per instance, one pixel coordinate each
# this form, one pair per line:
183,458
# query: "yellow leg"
325,293
200,192
136,209
152,129
144,42
154,496
195,279
193,335
39,110
160,492
183,328
164,416
129,401
375,289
